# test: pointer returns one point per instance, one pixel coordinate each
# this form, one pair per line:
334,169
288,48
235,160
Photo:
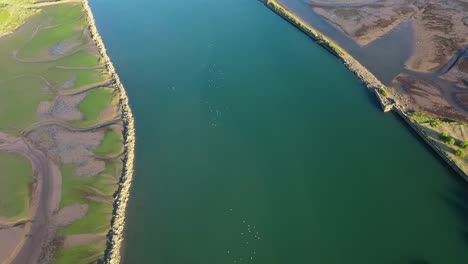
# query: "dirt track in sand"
45,200
32,241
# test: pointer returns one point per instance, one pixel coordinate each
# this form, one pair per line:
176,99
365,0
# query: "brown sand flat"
71,147
43,109
68,83
46,192
439,33
83,239
426,96
367,23
458,74
70,214
66,107
438,25
436,79
10,239
111,112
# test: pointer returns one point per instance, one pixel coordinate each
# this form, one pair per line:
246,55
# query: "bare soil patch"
10,239
66,107
426,96
70,147
70,214
78,240
439,26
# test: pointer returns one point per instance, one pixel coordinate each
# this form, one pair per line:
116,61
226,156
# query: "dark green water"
255,145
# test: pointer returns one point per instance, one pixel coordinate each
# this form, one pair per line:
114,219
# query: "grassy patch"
111,144
75,189
21,91
422,118
96,221
82,78
19,100
81,59
83,254
39,46
15,184
63,13
382,91
13,14
95,102
4,16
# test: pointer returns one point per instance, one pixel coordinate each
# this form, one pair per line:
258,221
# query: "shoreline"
115,235
372,83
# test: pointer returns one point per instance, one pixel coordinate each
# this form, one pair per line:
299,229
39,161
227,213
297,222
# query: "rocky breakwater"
115,235
382,93
351,63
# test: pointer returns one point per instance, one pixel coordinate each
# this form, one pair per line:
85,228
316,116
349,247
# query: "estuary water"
255,145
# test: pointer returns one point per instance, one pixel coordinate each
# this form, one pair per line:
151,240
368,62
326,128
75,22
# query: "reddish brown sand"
440,39
78,240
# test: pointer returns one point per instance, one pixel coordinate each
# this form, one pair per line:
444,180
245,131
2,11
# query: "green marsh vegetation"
460,153
109,145
423,118
76,79
13,14
382,91
52,42
19,100
95,102
76,189
17,176
447,138
89,253
464,144
66,61
97,194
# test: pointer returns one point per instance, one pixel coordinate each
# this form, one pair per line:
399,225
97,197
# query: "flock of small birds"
249,237
215,81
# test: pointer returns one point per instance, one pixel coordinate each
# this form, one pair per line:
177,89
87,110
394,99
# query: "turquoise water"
255,145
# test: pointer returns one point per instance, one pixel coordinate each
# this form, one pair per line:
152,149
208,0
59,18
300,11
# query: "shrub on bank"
447,139
460,153
435,123
464,144
444,136
450,141
382,91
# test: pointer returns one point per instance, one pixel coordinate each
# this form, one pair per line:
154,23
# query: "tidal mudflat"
61,135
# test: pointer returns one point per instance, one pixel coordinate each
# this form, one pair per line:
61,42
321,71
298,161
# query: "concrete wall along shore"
387,104
429,141
115,235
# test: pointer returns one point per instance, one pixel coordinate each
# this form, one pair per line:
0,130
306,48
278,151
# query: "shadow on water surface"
458,201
